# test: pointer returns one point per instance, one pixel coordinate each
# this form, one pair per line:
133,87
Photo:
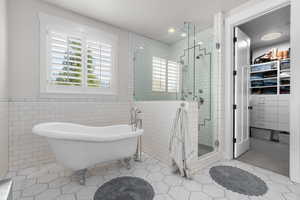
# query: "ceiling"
150,18
276,21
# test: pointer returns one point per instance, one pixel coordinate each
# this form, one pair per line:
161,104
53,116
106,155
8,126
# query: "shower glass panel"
181,69
156,74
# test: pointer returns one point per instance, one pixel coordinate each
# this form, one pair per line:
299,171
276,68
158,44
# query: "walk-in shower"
180,70
196,62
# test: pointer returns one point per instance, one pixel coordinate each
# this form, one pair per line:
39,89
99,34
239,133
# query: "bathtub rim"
41,130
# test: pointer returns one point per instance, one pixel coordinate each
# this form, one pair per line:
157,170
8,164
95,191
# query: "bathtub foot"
82,176
127,162
137,157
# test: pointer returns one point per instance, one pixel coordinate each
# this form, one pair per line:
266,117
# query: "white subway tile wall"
158,117
210,81
193,117
27,149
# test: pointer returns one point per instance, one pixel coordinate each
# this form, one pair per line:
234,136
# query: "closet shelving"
285,76
270,78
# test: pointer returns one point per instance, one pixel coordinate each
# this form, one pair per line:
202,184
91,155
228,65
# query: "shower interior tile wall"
27,149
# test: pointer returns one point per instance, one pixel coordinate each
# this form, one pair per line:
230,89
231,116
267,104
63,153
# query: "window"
173,76
165,75
159,74
75,58
99,64
66,60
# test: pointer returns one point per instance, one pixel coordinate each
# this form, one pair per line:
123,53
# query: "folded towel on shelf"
256,76
257,83
270,82
267,66
285,74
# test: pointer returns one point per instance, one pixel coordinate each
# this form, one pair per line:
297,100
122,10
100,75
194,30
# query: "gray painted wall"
3,90
23,27
3,50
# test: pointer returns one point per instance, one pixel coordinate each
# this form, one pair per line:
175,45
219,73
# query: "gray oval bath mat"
238,180
125,188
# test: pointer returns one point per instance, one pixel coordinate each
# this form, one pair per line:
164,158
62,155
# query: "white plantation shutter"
173,76
65,62
78,62
75,58
159,67
165,75
99,64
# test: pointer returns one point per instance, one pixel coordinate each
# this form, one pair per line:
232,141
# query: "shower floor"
204,149
53,182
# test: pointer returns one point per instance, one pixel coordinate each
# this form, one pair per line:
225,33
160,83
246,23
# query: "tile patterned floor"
53,182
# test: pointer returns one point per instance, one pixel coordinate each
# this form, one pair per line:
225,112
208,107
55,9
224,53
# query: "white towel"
180,146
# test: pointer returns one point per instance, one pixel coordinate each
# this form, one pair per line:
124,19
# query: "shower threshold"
204,149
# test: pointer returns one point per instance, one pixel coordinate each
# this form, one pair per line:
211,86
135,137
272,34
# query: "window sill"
158,92
75,93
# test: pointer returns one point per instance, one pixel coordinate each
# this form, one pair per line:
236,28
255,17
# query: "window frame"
48,23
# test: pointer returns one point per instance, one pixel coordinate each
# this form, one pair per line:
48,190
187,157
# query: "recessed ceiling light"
271,36
183,34
171,30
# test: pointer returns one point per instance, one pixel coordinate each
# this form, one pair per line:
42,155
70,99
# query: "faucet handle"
138,111
135,109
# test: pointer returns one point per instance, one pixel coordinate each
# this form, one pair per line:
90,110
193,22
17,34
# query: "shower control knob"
201,100
217,143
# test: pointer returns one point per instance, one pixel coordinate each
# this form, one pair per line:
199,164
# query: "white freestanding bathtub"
79,147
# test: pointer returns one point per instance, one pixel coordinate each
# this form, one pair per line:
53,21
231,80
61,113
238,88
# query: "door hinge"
234,72
234,39
234,140
234,106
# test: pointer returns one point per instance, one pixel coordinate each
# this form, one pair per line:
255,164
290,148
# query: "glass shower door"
203,89
197,68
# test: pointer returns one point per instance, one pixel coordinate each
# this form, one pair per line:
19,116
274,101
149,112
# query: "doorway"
261,91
